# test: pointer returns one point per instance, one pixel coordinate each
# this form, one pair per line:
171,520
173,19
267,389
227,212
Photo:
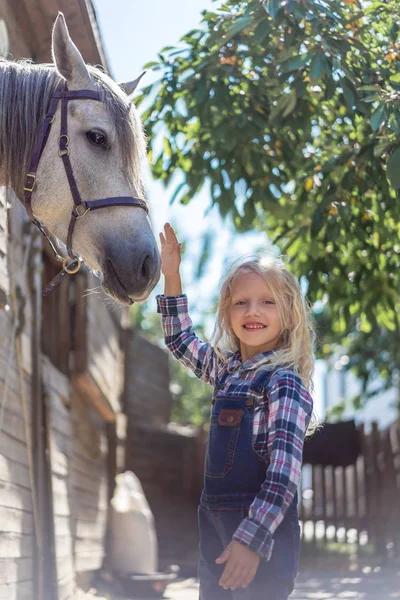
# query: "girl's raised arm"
180,339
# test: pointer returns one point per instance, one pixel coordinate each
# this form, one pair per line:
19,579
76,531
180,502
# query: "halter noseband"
71,263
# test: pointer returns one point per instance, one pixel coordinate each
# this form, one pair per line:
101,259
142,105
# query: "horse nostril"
147,267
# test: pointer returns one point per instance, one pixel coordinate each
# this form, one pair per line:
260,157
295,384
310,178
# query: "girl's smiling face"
254,316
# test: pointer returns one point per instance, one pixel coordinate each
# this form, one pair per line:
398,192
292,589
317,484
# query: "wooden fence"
359,503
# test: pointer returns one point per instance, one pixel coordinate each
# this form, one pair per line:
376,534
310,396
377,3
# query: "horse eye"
98,138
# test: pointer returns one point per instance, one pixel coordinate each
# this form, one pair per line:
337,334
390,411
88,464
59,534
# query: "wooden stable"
61,377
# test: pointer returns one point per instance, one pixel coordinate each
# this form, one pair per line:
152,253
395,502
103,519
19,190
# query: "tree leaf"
316,67
240,24
295,63
291,104
377,117
370,88
273,7
393,169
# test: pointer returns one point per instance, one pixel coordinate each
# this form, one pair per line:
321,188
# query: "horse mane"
25,91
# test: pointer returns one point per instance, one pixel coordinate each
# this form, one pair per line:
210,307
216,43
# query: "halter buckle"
73,266
80,210
31,187
63,151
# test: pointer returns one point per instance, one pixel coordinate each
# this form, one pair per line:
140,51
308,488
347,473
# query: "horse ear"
66,56
131,86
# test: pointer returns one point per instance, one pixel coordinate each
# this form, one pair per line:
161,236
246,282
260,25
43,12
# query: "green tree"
289,110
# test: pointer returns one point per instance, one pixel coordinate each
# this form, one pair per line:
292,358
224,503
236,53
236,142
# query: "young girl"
261,408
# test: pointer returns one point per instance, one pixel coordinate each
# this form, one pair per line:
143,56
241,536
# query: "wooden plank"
90,530
9,371
62,525
22,591
13,398
59,462
96,451
13,424
89,562
13,520
82,482
66,587
89,514
15,496
15,569
64,545
86,386
13,449
85,498
377,485
64,567
55,380
94,470
323,499
16,545
61,443
12,472
61,505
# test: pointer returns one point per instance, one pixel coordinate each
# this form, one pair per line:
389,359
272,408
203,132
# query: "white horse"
105,147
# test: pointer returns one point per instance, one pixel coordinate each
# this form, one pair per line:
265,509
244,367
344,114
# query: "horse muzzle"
132,280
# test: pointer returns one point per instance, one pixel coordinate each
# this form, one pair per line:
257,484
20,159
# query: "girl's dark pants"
234,474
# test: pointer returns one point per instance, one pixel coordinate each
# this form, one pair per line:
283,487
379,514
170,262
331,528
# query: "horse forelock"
25,92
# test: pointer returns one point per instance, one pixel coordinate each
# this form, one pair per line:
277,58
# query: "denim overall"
233,476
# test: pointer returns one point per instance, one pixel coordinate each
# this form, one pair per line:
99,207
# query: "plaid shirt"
283,409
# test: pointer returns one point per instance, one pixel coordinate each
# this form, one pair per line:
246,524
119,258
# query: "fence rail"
359,503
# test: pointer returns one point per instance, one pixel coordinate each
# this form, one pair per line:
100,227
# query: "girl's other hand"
170,252
240,568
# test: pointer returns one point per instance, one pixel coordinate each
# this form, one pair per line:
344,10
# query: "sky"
133,32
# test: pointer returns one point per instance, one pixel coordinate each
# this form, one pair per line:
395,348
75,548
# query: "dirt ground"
367,583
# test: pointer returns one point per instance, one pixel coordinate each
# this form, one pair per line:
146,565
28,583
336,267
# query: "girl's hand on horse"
170,252
241,566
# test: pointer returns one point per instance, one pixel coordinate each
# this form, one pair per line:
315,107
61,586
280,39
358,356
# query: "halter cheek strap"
71,263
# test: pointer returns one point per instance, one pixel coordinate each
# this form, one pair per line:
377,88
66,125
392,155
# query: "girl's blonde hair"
295,349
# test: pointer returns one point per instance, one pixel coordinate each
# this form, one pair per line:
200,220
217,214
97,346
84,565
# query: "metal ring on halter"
63,136
68,269
63,151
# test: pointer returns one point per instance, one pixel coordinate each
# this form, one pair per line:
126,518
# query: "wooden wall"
89,485
57,391
105,356
76,463
168,459
16,512
147,381
76,433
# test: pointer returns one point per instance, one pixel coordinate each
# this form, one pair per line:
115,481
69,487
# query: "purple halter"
71,263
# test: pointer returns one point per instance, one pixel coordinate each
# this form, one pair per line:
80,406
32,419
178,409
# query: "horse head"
106,145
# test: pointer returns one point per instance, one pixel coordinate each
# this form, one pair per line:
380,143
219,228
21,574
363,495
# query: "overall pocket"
222,442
